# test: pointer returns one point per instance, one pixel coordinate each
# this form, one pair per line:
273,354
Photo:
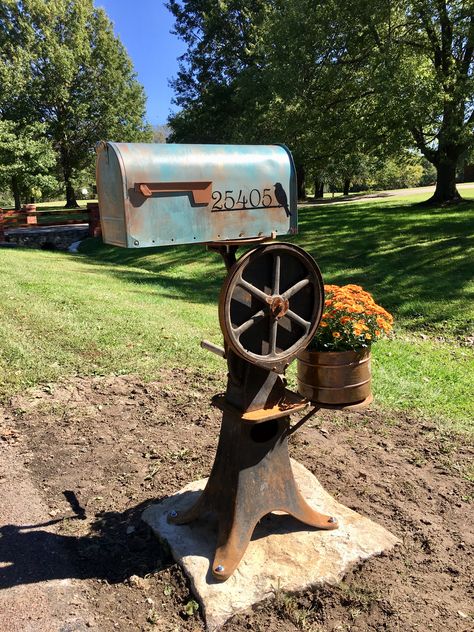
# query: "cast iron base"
250,478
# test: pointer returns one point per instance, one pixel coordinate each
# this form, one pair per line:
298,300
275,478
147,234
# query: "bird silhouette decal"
281,197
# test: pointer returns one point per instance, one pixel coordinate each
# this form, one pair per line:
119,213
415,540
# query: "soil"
100,449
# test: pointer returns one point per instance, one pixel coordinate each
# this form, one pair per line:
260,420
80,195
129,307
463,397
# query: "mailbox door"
159,194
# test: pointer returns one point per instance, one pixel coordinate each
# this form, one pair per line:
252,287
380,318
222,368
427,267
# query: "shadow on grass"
362,195
199,282
415,260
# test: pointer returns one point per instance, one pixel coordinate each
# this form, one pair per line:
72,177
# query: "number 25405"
228,200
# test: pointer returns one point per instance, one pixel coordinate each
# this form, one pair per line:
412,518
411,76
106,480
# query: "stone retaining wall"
47,237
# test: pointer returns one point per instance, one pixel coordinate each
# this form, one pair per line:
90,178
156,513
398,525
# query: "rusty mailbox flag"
160,195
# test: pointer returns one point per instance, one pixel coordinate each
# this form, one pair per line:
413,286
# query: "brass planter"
334,377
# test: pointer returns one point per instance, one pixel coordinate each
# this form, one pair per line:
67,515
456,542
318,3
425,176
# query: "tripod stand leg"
193,513
251,477
232,542
297,507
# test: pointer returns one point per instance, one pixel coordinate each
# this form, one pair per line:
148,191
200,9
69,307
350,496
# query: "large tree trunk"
347,186
445,158
301,177
16,193
318,188
71,201
446,191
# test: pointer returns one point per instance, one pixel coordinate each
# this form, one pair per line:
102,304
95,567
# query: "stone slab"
284,554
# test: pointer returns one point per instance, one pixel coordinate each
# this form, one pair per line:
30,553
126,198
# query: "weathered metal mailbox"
159,194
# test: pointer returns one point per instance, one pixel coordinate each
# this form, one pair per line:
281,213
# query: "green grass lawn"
418,262
78,214
57,207
110,310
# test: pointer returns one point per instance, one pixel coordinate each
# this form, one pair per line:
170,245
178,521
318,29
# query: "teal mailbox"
164,194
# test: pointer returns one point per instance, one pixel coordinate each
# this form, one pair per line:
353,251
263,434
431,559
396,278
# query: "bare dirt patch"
100,449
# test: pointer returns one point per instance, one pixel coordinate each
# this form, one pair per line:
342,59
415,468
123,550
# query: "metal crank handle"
210,346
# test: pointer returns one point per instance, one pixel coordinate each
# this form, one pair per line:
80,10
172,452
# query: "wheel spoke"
273,336
296,288
276,274
297,319
253,290
238,331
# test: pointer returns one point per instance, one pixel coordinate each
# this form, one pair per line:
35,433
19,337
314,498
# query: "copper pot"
334,377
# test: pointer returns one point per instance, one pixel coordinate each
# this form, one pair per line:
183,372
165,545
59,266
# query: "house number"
233,201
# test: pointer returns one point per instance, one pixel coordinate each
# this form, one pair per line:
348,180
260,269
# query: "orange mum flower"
350,319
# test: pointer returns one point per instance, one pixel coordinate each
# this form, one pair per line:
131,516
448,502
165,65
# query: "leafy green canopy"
337,81
218,85
64,67
418,58
26,158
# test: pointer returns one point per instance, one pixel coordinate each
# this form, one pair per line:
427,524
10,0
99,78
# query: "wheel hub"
278,306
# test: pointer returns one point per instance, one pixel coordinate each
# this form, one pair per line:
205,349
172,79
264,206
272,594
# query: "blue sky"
143,27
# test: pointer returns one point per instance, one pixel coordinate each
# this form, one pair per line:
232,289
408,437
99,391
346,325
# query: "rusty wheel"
271,304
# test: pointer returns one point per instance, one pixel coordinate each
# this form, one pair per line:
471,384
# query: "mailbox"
160,195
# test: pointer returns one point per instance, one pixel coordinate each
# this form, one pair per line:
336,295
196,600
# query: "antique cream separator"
269,309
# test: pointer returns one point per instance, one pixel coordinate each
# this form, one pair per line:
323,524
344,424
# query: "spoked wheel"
271,304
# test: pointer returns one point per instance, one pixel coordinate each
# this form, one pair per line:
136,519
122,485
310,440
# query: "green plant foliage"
398,174
218,85
26,159
65,67
190,608
428,175
340,83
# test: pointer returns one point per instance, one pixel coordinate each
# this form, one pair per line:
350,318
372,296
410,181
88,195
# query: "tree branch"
446,35
469,50
435,47
420,141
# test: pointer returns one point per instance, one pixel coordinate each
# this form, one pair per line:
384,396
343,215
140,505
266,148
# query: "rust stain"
291,403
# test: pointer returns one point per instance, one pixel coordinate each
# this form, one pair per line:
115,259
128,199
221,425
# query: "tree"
26,156
26,160
160,133
335,80
404,171
217,87
443,126
224,85
417,59
80,80
268,72
331,95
